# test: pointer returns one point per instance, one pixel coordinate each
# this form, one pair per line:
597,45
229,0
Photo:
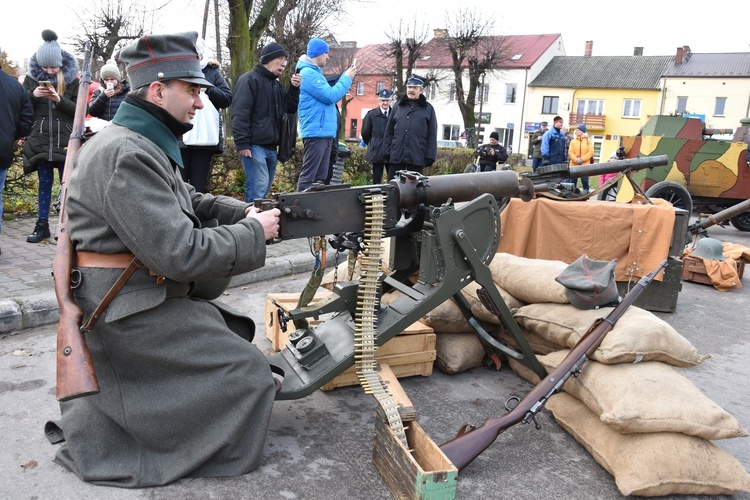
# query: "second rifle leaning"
471,441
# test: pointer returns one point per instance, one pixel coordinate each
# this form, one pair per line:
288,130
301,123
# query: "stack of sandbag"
644,422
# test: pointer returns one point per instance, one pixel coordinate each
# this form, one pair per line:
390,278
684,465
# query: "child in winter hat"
49,54
110,70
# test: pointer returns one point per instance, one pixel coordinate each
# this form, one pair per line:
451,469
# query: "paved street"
321,446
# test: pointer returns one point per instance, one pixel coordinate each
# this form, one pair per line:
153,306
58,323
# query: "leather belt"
107,261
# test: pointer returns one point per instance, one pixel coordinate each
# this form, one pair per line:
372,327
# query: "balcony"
592,122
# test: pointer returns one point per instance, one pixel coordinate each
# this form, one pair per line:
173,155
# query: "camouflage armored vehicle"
704,173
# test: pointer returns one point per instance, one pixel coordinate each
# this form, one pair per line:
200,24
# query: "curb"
42,309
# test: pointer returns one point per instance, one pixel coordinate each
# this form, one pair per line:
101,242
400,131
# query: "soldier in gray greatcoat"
184,392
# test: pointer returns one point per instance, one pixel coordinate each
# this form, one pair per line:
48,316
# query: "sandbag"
458,352
529,280
481,312
646,397
638,335
652,464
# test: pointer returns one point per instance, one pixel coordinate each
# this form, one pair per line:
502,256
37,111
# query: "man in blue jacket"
555,144
317,112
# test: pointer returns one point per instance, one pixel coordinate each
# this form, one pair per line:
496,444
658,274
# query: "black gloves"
545,160
428,162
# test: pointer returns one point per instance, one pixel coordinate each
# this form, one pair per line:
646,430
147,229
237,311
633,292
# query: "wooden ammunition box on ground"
422,471
410,353
694,270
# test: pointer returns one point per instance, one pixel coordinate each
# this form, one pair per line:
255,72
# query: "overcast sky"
656,26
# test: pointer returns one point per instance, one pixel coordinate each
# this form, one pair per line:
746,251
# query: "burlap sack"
458,352
447,318
653,464
638,335
529,280
481,312
539,345
646,397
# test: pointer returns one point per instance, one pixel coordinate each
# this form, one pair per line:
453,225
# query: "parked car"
449,144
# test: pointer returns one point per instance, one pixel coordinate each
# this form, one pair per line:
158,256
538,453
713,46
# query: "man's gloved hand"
386,158
545,161
428,162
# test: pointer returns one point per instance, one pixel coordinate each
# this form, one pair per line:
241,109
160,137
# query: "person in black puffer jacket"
107,99
54,104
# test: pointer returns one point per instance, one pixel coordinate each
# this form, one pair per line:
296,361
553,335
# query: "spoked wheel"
472,168
741,222
674,193
609,194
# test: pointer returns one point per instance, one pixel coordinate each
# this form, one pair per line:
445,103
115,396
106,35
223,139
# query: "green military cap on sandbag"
163,57
590,283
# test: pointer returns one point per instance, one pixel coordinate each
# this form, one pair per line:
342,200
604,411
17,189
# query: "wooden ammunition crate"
407,355
660,295
694,270
420,472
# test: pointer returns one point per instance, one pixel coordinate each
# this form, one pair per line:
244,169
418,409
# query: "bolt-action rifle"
471,441
75,372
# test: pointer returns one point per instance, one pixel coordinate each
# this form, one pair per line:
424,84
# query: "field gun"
444,229
556,179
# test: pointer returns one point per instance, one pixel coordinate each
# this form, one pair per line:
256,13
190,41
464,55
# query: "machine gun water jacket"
183,390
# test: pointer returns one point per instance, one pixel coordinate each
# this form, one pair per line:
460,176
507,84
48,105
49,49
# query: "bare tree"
405,46
112,25
475,52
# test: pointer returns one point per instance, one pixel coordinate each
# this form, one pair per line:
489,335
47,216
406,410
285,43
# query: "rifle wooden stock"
470,442
75,372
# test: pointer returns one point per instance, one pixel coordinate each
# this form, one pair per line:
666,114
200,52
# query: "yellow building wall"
616,125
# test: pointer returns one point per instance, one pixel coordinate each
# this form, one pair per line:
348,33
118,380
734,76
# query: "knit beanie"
272,51
110,70
316,47
49,54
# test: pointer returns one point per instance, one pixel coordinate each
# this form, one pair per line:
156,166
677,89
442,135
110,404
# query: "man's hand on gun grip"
269,219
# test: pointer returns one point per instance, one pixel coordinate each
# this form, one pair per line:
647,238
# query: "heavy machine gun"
445,228
555,180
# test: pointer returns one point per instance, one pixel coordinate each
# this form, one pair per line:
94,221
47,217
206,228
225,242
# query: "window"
550,104
590,107
483,92
721,103
360,88
379,86
681,105
431,91
452,92
450,132
353,128
510,93
631,108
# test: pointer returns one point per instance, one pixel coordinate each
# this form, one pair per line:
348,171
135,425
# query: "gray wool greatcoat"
183,390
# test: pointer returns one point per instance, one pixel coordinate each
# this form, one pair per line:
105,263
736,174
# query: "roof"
729,64
522,50
603,72
374,60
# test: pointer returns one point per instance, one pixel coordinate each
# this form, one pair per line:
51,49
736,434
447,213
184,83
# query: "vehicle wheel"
674,193
472,168
609,194
741,222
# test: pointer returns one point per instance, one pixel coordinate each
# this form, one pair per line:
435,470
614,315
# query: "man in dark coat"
411,134
491,154
373,132
184,392
536,145
16,117
260,100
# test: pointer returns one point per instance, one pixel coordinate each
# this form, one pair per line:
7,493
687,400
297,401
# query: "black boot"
41,231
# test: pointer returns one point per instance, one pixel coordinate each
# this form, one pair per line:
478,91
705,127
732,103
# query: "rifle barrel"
612,167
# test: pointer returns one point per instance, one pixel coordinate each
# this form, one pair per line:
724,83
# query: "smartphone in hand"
46,84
